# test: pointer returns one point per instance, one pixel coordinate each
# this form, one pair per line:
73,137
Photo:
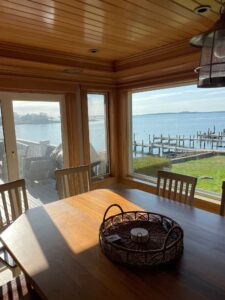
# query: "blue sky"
179,99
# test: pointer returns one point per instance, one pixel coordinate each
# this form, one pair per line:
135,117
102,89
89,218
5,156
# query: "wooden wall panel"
123,133
34,85
85,129
113,131
74,128
170,64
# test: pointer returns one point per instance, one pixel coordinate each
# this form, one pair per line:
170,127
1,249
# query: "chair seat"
17,289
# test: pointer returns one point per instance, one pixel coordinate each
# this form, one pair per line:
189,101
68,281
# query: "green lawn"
212,166
150,165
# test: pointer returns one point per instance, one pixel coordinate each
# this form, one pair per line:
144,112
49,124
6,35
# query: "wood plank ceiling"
117,28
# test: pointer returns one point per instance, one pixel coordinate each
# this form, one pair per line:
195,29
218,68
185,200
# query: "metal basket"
165,241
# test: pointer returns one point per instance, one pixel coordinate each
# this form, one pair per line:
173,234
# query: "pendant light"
211,72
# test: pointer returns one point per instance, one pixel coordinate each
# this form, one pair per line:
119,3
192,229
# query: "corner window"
182,130
98,133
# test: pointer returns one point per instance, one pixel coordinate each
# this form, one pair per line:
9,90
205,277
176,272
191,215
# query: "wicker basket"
165,242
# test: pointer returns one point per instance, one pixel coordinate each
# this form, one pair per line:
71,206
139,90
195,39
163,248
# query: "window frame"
149,179
7,99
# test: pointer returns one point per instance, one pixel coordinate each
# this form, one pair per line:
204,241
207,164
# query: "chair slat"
5,207
12,204
170,188
158,185
76,180
181,191
182,185
164,187
175,190
18,201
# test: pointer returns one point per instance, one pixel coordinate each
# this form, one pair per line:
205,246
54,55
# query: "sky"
96,105
29,107
178,99
186,98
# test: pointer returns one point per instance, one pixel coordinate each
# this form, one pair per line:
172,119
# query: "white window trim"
7,99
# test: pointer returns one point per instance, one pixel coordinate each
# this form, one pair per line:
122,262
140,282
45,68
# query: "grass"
149,165
211,167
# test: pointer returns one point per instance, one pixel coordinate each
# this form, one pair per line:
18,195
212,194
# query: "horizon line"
182,112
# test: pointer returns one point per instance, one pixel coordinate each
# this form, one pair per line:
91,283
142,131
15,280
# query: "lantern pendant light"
211,72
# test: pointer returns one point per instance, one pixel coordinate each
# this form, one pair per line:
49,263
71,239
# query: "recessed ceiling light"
202,9
93,50
72,71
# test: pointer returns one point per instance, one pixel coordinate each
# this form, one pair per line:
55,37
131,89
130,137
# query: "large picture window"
182,130
98,133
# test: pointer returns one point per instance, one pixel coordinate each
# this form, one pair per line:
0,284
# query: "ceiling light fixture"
202,9
211,72
93,50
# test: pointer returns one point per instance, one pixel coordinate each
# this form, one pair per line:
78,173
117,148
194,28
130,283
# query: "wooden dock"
161,145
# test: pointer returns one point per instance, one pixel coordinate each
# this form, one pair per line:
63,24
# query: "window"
34,139
182,130
98,133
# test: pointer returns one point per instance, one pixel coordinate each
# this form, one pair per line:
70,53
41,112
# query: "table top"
57,247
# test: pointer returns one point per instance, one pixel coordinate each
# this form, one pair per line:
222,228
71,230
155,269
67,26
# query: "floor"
38,194
41,193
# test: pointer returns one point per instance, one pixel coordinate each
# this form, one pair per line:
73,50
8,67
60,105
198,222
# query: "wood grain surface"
57,247
117,28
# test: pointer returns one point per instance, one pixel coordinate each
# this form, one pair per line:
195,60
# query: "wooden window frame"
203,199
112,134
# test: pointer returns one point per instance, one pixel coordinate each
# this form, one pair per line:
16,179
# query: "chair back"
222,206
13,202
72,181
176,186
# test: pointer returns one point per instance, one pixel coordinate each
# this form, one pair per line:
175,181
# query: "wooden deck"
40,194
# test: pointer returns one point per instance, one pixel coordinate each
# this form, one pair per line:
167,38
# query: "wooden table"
57,247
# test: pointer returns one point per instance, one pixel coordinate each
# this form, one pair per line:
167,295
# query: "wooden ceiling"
62,32
118,28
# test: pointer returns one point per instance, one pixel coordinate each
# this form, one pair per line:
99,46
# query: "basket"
164,243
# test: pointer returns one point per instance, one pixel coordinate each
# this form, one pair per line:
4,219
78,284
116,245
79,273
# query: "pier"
175,145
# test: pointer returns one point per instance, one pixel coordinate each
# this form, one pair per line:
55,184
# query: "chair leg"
16,271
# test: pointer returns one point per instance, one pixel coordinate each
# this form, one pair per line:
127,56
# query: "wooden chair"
176,186
72,181
222,206
18,289
13,202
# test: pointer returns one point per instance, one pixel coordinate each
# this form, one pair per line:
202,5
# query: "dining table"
57,247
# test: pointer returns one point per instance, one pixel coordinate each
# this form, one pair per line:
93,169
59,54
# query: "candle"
139,235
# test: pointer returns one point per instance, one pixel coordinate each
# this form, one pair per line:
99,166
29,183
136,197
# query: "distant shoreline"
179,113
38,123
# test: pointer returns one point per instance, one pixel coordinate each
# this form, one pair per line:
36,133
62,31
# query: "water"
176,124
167,124
40,132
